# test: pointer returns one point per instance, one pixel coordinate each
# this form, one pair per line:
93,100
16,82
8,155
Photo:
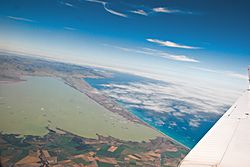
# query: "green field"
27,108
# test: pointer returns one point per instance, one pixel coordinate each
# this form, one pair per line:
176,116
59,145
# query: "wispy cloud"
178,57
68,4
105,6
113,12
166,10
158,53
140,12
96,1
237,75
20,19
150,11
163,10
171,44
69,28
183,58
225,73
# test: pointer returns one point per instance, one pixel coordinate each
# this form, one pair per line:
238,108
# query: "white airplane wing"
227,143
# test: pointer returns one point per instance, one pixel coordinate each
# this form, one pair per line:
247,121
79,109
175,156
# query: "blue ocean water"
181,132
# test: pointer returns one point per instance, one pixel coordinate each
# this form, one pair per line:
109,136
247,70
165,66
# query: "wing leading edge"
227,143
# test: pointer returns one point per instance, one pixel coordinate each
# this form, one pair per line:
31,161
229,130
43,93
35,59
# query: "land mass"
73,151
61,148
14,68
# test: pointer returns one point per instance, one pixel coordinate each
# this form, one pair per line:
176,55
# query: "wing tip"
249,78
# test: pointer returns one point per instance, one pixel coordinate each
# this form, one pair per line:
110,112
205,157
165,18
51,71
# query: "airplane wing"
227,143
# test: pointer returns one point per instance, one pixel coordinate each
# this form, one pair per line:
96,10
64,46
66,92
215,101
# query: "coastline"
73,76
138,120
83,87
170,138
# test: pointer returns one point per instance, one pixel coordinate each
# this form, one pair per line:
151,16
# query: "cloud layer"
167,98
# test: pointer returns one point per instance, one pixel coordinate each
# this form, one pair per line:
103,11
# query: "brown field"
28,159
112,148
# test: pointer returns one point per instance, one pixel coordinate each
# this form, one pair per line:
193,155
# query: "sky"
203,43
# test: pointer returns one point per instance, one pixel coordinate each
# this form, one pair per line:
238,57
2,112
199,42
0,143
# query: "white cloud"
237,75
68,4
113,12
171,44
20,19
140,12
194,123
158,53
205,69
225,73
105,6
164,10
96,1
183,58
169,98
160,97
137,9
158,10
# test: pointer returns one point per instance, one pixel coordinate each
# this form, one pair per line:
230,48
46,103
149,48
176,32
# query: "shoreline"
170,138
73,76
124,109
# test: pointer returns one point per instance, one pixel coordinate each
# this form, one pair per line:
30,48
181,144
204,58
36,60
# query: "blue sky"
195,41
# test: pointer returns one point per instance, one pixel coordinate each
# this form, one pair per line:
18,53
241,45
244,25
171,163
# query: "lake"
28,107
